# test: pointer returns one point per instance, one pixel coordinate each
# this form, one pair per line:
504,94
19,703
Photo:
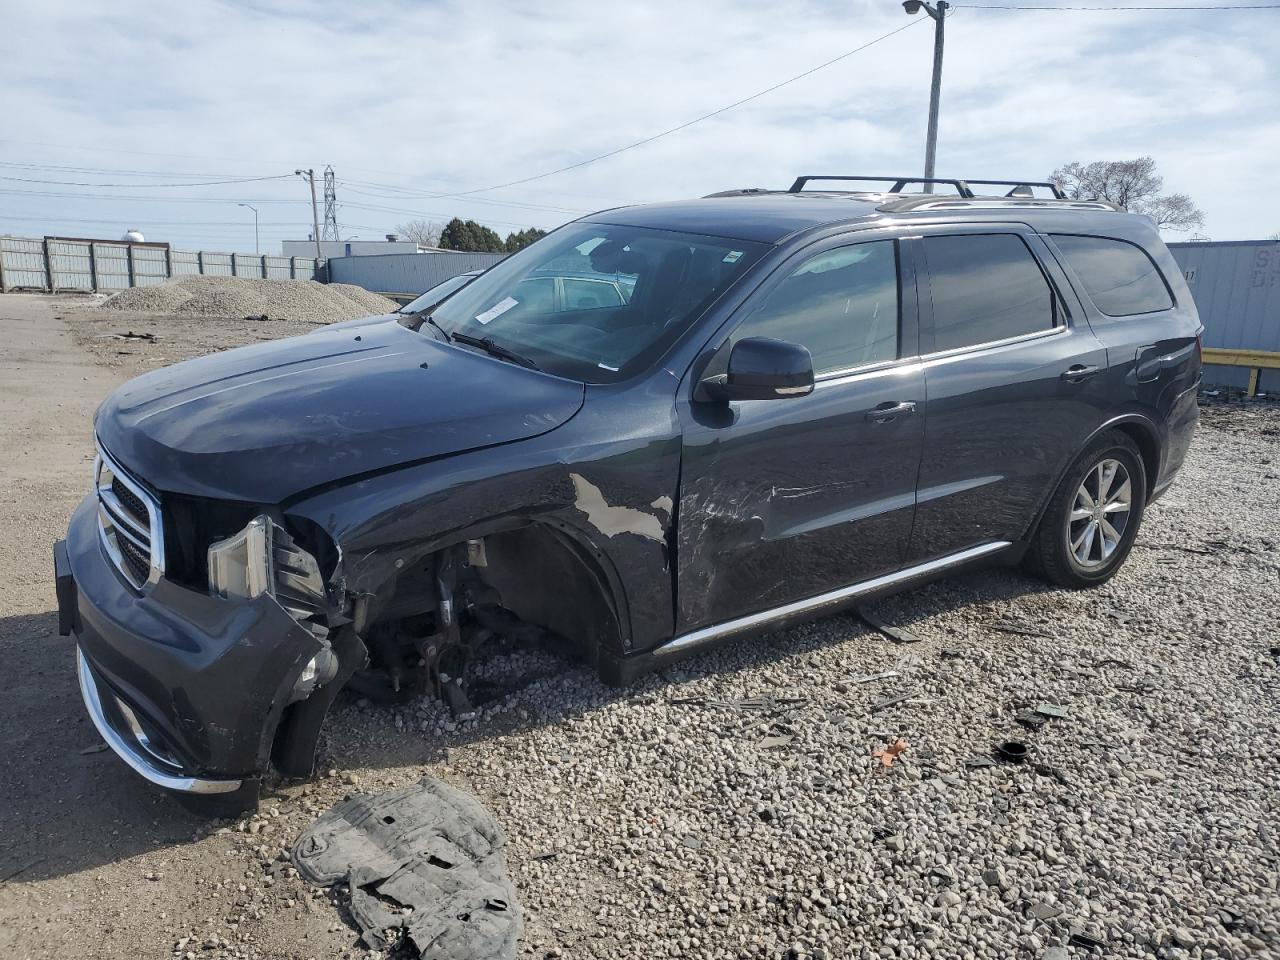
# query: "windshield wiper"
494,349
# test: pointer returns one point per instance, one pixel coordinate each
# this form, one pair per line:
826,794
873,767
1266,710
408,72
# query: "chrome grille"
128,522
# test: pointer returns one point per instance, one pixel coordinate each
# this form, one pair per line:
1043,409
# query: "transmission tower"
330,229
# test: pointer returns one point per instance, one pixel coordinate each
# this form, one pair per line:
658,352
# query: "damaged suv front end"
260,638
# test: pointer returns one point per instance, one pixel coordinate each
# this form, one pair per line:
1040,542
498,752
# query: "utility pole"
256,251
939,14
315,213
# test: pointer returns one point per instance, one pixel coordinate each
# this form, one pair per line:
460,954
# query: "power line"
405,193
689,123
1162,9
145,186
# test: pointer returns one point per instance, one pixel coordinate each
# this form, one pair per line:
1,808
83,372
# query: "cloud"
446,96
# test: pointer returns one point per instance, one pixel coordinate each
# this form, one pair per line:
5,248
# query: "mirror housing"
761,368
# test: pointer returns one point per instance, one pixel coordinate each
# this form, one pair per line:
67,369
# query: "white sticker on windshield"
733,256
497,310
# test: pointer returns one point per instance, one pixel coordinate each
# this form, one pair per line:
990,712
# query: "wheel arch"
1137,427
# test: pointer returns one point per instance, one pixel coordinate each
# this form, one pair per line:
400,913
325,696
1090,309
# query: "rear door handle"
890,410
1079,371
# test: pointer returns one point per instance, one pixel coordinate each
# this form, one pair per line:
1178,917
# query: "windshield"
595,301
437,293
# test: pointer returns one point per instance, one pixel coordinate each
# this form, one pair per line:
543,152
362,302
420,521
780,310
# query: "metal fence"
1236,286
56,263
406,273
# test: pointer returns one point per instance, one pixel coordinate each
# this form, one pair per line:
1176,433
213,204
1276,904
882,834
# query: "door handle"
1079,371
890,410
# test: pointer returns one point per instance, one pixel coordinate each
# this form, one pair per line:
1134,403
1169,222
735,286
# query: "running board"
697,638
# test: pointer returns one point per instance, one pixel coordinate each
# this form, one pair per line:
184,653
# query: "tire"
1082,539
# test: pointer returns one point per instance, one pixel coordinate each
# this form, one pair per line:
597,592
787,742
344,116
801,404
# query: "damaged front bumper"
187,688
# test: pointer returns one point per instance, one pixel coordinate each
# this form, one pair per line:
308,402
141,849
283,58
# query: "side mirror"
762,369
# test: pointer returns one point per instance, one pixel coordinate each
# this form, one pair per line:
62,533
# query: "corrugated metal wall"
1236,285
406,272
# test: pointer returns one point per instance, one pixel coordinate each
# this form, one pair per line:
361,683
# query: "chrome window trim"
955,352
705,635
120,517
867,370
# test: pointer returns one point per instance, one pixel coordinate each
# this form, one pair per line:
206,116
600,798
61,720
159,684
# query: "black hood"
264,422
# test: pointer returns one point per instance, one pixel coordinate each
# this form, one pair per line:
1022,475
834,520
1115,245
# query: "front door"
785,499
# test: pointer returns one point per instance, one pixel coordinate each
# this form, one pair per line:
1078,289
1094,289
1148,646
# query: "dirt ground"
93,862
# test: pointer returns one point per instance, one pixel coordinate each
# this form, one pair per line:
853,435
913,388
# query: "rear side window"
842,305
1120,276
986,287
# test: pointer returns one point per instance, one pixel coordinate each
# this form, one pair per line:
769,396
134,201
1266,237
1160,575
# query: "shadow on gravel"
65,810
983,593
62,810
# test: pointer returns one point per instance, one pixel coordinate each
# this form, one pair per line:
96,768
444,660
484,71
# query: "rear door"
1149,324
786,499
1014,380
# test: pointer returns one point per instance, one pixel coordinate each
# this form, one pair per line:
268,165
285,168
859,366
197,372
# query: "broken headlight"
240,566
263,558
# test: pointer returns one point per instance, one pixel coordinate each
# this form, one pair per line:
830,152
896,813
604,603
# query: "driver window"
841,304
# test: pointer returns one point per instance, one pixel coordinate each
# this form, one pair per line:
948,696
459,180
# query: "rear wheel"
1090,525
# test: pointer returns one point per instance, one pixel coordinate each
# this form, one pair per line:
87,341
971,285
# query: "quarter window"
842,305
986,287
1121,277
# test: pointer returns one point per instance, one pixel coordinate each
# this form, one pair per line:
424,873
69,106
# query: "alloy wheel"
1100,514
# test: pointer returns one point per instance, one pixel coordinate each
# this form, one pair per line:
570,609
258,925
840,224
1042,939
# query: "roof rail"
898,183
1020,188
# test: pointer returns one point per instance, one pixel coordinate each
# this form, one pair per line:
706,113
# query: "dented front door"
781,500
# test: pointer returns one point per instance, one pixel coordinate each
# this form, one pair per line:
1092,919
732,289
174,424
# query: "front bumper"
186,688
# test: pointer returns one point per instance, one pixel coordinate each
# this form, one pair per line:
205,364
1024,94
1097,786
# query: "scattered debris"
96,748
895,842
1012,626
1051,710
952,653
1045,770
890,753
1031,719
1013,751
1044,911
1114,662
896,634
546,855
1079,939
890,702
978,762
771,743
426,862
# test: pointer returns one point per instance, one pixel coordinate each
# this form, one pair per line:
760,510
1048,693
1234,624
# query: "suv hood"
264,422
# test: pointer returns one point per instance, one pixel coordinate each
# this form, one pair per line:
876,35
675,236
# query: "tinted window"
985,287
842,305
597,301
1121,277
590,294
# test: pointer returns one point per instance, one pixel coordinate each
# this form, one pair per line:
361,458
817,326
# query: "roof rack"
964,188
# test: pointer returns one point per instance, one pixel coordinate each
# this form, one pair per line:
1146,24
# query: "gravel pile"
239,297
734,805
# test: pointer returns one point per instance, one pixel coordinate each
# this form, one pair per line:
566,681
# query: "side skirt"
825,602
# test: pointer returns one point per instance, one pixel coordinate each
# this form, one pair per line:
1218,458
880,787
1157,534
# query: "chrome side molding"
742,624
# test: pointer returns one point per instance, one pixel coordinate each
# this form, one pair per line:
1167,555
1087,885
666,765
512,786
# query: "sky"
422,106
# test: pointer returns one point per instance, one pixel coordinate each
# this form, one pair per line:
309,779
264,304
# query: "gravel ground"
733,806
239,297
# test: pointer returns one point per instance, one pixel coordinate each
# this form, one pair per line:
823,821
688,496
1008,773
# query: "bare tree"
425,232
1134,185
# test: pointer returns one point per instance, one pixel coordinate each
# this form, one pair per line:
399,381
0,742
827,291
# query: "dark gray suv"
788,402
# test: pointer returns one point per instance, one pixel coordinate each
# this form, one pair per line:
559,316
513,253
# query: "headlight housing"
263,558
240,566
